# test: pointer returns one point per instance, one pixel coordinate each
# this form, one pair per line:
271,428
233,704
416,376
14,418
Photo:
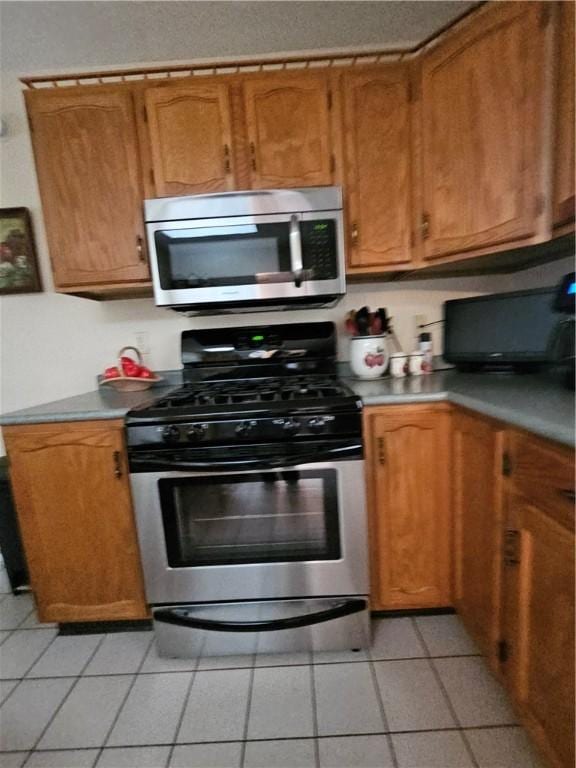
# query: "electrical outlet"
419,320
143,341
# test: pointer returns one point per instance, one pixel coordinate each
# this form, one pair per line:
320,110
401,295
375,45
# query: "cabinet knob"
253,155
381,451
117,458
227,167
425,226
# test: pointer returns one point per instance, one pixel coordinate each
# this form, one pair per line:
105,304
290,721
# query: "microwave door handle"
296,250
179,617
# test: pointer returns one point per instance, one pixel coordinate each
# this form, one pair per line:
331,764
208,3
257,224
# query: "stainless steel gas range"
249,496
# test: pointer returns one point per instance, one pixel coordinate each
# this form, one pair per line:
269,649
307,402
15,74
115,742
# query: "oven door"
294,531
247,258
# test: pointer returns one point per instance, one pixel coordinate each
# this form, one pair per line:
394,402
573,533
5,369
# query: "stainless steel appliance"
247,251
563,337
249,496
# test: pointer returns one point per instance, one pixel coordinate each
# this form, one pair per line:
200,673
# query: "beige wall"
52,346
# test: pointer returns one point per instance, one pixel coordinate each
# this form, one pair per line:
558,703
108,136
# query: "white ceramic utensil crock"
368,356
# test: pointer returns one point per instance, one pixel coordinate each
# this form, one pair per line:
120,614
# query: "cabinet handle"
511,547
381,451
354,233
253,155
226,158
140,249
425,226
117,464
567,493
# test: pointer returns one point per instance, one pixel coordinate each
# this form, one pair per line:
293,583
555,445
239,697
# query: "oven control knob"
244,428
291,426
196,432
170,434
317,424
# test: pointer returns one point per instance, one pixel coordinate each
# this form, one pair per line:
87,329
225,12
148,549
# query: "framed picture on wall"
18,262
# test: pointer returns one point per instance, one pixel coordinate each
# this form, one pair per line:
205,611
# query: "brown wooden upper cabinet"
190,138
408,468
289,133
563,193
378,166
72,495
88,165
485,100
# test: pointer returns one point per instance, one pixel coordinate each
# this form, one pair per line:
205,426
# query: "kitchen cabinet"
87,160
477,487
71,489
378,167
289,130
563,192
190,138
408,461
486,98
538,592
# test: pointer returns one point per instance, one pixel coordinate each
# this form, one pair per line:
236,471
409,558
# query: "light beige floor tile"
13,759
283,659
152,711
119,653
6,688
22,649
338,657
503,748
446,636
395,639
207,756
156,663
478,699
346,700
355,752
294,753
14,609
69,758
87,714
281,704
134,757
67,656
29,710
440,749
413,700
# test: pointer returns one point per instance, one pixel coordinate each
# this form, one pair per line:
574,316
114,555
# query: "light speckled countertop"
536,402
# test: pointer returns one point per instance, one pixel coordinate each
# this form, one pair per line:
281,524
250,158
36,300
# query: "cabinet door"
477,473
72,495
540,611
190,138
563,195
378,167
408,463
484,102
87,159
288,124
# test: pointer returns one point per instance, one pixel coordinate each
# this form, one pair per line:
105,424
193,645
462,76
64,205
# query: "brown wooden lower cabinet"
408,483
71,488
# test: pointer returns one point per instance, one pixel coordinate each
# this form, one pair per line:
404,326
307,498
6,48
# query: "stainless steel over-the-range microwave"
252,250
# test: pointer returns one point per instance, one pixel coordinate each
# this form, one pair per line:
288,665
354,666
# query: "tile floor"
420,698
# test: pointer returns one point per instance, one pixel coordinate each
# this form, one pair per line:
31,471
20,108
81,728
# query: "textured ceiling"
49,35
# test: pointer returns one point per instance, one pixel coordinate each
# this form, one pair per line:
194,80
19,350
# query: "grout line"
451,729
383,714
121,707
247,719
314,715
447,697
185,704
37,659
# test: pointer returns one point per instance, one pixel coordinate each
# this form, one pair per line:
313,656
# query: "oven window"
241,255
266,517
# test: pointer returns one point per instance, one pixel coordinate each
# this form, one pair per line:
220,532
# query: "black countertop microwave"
503,330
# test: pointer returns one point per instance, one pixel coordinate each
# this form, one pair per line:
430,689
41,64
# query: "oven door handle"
247,464
179,617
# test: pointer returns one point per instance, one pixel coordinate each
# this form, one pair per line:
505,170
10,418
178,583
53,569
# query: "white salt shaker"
398,365
415,364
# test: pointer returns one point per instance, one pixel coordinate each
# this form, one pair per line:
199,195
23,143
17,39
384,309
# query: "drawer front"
544,474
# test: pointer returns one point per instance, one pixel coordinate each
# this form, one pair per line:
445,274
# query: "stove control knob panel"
291,426
245,428
317,424
196,432
170,434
